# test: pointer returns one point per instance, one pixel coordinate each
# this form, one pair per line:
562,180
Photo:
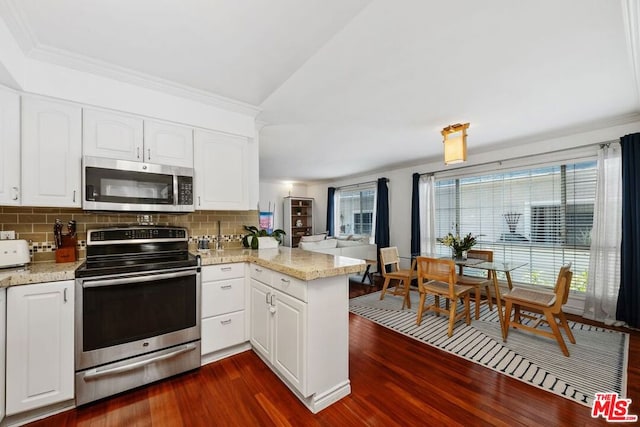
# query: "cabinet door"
260,329
111,135
221,170
168,144
40,344
289,348
3,346
51,153
9,148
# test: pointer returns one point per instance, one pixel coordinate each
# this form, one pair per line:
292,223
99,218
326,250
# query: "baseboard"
224,353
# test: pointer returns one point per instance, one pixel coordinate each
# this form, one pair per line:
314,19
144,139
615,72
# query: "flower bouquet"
459,246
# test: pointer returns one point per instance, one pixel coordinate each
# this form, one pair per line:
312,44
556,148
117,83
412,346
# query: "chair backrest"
563,284
483,254
438,269
389,257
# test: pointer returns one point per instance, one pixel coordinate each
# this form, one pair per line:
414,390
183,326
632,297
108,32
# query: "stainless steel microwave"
123,185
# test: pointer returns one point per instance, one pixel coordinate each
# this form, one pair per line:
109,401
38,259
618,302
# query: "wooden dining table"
494,267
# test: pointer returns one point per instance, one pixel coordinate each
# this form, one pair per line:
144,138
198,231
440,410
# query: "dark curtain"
331,192
415,215
628,308
382,216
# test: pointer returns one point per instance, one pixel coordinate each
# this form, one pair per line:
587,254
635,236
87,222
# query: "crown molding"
631,18
34,49
17,24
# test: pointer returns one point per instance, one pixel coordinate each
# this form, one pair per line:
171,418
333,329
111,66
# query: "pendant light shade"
455,143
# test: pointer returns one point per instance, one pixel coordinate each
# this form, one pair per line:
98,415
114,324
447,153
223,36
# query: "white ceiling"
350,86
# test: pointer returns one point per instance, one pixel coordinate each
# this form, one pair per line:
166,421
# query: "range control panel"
136,234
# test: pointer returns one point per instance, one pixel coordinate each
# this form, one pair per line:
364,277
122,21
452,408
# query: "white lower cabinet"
3,346
40,345
300,329
278,325
223,306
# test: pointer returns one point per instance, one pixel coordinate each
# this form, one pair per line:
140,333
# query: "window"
542,216
355,210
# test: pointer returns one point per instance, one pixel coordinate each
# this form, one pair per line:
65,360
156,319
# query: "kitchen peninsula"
289,306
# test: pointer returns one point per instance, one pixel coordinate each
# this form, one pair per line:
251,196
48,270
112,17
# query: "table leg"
367,274
501,315
506,273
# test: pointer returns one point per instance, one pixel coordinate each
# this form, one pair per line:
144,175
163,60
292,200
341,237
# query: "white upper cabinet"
168,144
111,135
126,137
9,148
51,153
222,171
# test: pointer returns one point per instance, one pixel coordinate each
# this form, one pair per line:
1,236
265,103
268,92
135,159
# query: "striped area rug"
598,361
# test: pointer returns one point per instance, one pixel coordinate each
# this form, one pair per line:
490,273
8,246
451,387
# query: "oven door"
122,316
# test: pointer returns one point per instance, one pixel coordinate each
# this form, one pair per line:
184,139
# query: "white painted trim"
83,63
17,24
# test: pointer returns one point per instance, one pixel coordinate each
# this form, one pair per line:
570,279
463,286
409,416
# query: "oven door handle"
96,373
136,279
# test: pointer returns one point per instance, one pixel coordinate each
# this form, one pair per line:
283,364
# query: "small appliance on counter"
14,254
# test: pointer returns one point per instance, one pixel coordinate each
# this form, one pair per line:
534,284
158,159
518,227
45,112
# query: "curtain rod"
499,162
358,185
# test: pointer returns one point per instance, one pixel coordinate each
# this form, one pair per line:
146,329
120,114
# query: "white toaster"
14,253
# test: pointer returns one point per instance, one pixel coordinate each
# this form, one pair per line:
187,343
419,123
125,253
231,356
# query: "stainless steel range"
137,309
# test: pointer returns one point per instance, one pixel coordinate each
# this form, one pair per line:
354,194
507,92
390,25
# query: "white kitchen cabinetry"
127,137
168,144
51,153
112,135
9,148
3,346
222,171
223,308
301,330
40,346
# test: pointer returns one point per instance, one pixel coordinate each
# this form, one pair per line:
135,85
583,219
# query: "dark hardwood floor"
396,381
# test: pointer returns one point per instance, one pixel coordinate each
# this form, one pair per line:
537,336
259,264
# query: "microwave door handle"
130,280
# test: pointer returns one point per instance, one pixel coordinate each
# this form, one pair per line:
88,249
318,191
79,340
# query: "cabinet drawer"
261,274
222,271
295,287
222,331
222,296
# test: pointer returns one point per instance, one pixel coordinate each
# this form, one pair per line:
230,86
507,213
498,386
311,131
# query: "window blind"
540,215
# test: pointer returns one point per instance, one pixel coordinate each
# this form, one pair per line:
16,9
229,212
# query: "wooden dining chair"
401,278
541,307
479,282
437,276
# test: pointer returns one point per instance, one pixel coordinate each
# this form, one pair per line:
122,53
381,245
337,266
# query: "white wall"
400,178
275,192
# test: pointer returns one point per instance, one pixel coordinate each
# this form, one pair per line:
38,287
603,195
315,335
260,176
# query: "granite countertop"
295,262
304,265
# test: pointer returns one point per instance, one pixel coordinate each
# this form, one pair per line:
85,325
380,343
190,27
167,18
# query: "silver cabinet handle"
148,153
64,295
137,152
285,280
74,196
225,287
225,268
199,202
15,193
272,304
225,322
266,297
258,270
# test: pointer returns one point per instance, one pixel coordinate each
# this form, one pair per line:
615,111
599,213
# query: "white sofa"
349,248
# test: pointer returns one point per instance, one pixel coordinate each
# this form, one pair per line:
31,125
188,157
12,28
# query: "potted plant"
459,246
250,240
